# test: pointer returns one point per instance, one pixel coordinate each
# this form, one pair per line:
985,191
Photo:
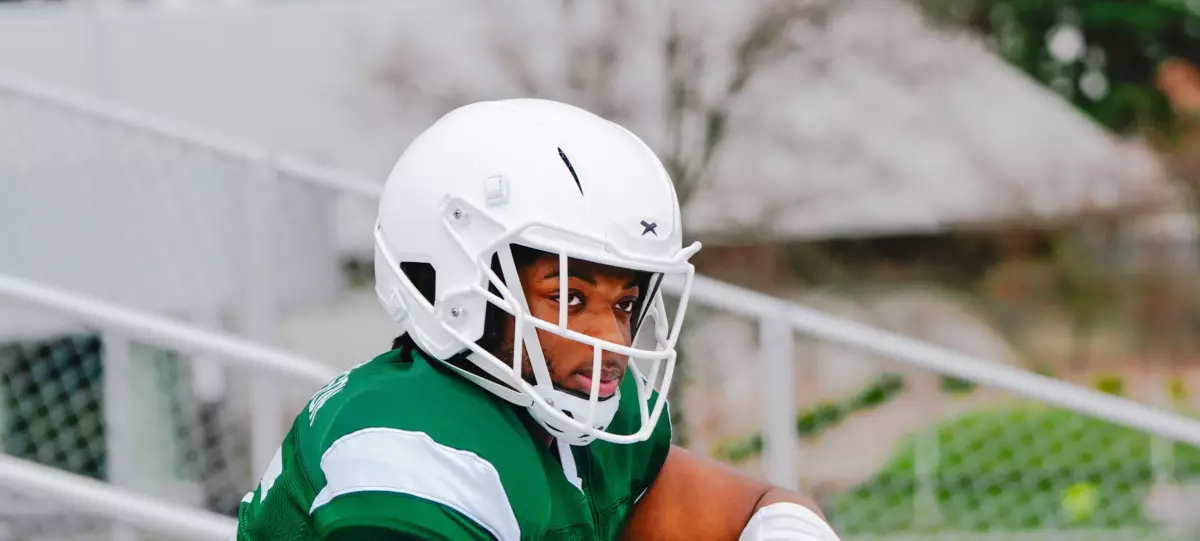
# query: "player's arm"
698,498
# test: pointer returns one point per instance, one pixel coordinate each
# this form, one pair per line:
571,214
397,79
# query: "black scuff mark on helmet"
570,168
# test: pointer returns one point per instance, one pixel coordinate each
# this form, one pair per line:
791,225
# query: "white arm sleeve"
787,522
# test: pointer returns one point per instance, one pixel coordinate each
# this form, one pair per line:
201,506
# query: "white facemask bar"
525,328
677,264
514,297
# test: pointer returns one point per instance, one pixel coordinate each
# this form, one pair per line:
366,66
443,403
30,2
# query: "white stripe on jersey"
405,462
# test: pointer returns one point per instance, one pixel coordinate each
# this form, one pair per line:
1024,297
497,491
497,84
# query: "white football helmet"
548,176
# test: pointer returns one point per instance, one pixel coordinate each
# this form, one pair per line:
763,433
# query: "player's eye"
573,298
626,305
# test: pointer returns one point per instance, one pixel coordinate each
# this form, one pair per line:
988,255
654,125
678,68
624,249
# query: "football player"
520,245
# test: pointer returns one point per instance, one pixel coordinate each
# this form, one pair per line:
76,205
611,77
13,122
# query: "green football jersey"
411,446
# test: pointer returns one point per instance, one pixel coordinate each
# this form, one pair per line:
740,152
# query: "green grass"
1007,470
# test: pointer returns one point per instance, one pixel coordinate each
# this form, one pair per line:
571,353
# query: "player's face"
600,302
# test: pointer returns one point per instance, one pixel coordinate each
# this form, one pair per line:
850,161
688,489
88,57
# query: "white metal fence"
63,505
120,330
66,169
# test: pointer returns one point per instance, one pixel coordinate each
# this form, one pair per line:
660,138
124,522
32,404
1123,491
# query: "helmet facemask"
553,177
567,415
526,354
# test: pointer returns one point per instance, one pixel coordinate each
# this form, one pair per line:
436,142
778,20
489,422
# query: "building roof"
888,125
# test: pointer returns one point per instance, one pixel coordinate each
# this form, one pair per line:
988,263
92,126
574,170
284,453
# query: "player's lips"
609,381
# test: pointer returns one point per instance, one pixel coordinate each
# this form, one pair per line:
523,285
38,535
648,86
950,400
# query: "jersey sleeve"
394,516
382,462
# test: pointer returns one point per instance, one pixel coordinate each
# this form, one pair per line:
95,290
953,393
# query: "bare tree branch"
765,43
696,125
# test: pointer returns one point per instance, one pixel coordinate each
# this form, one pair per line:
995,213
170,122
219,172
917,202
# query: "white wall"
291,77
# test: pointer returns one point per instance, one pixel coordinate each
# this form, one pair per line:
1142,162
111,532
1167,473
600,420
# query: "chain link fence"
182,447
115,207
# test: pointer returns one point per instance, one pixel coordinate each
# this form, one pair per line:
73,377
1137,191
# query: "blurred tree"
1129,65
705,68
1102,55
1179,81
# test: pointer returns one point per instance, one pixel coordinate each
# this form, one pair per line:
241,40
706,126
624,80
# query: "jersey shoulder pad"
388,392
417,430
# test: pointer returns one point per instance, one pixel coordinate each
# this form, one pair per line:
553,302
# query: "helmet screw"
550,402
458,214
456,312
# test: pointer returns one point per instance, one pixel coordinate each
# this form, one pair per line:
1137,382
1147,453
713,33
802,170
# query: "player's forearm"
695,497
774,495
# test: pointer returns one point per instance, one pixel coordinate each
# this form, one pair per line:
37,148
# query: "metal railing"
130,510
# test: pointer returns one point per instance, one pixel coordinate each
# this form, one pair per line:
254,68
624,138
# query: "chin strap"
503,391
575,408
786,521
572,405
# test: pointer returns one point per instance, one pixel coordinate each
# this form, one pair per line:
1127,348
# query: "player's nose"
609,329
614,362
